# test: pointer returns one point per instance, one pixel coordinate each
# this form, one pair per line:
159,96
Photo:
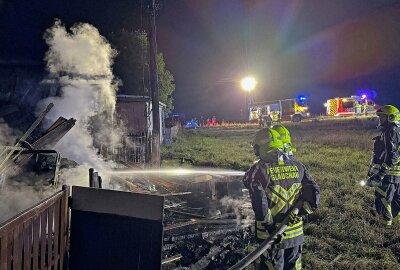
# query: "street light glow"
248,83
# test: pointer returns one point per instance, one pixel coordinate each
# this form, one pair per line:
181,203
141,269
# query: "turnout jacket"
274,187
385,156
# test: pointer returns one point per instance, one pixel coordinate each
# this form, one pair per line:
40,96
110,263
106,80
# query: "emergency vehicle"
350,106
280,110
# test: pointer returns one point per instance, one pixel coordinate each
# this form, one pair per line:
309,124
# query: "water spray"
178,172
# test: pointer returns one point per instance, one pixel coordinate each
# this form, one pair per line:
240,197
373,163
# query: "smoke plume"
80,62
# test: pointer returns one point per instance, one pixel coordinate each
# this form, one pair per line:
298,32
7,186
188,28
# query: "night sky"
320,48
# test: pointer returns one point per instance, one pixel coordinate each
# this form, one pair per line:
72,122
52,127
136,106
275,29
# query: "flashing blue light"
301,98
367,93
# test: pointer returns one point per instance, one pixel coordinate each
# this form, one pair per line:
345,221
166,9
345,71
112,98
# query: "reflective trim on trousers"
297,266
380,191
269,265
387,206
386,222
307,207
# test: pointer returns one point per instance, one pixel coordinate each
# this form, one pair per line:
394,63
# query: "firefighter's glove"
294,219
263,227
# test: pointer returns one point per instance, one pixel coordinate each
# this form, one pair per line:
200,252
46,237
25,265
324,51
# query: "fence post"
91,176
64,229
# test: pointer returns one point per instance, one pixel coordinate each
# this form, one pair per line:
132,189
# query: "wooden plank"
36,232
16,248
26,134
10,250
59,121
27,241
56,233
21,246
95,180
50,237
3,253
64,225
43,236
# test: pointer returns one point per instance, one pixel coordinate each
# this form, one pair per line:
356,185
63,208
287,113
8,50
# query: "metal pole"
246,114
155,100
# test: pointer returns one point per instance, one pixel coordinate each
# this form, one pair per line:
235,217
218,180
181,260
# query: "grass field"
345,232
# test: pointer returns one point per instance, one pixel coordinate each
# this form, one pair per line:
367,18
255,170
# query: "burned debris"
32,161
207,221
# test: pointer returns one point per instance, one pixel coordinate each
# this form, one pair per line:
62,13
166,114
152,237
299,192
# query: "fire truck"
280,110
350,106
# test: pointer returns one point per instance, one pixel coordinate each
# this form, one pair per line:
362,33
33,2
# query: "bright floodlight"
363,183
248,83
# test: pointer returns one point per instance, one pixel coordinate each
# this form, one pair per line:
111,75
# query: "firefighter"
384,171
268,120
208,122
260,120
286,139
275,183
357,108
214,121
275,116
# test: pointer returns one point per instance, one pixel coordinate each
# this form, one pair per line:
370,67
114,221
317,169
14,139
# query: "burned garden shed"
134,115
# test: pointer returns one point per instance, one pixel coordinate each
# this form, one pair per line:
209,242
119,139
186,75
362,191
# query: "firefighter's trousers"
281,259
387,201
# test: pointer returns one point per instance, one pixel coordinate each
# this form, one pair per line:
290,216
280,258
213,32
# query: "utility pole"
155,99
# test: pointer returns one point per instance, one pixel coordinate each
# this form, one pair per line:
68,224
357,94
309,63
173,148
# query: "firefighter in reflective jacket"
384,170
275,183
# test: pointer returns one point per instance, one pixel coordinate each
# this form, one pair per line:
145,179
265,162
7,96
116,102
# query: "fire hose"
269,242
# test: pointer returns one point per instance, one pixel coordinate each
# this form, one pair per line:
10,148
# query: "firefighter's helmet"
266,142
393,114
285,137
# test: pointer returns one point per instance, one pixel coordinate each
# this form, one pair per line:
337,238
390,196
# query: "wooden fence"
134,149
38,237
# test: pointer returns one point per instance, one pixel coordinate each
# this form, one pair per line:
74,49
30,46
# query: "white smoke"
17,199
242,209
80,60
7,137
